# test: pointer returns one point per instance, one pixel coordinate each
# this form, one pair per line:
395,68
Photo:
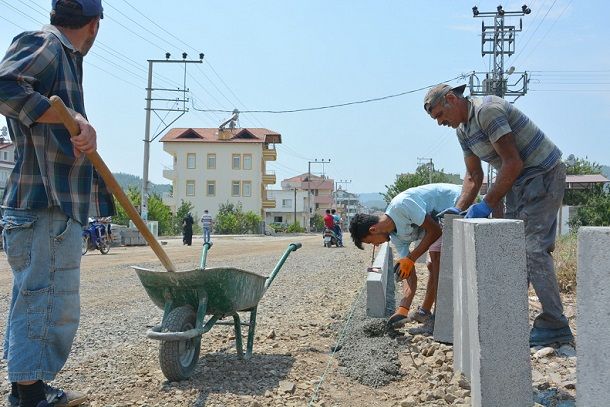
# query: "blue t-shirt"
409,209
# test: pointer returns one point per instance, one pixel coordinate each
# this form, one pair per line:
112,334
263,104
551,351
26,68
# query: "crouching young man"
409,214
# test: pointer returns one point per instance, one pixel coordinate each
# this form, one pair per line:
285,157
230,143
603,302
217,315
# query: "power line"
21,12
138,24
306,109
549,30
513,61
159,26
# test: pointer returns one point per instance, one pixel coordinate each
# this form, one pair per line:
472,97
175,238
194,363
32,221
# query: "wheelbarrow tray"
227,289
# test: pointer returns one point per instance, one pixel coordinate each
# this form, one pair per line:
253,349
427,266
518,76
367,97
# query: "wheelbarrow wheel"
85,245
179,358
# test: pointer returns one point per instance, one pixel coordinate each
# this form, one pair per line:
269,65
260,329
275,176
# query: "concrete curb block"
377,284
494,279
592,323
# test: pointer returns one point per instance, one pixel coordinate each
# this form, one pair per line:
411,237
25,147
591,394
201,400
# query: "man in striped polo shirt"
530,176
206,220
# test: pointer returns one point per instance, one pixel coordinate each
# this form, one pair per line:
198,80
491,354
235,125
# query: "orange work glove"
403,268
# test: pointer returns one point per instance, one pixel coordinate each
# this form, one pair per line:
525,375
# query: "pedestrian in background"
206,221
187,229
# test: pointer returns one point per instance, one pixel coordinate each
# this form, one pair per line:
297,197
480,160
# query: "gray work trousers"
536,202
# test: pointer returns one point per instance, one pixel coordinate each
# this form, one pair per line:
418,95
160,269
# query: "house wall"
223,175
287,212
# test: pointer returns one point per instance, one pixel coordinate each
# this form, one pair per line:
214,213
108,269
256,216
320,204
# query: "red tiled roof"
211,135
5,145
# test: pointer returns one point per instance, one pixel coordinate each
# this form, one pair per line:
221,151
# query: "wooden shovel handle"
114,187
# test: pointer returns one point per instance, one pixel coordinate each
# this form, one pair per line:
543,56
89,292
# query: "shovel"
100,166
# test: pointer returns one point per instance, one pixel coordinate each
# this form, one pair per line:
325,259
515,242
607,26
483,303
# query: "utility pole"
315,161
341,181
498,40
428,161
149,109
295,205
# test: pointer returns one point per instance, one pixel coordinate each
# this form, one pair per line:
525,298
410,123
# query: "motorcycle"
96,237
330,238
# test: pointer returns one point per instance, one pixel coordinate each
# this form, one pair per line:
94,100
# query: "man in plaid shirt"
49,196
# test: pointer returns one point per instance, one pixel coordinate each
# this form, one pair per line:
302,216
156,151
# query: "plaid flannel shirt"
36,66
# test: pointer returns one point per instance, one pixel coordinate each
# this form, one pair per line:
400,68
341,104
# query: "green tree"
177,219
160,212
157,211
232,219
295,228
595,212
121,218
423,175
581,166
317,223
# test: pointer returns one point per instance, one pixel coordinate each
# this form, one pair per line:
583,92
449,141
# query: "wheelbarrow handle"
292,247
114,187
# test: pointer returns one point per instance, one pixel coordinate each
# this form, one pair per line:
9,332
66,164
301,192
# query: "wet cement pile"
368,354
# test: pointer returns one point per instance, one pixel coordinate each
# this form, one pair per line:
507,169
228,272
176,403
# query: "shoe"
549,336
55,397
398,319
427,328
420,315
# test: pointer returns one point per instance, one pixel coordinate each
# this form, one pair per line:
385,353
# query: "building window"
211,161
247,161
236,162
286,203
5,156
211,188
246,188
235,188
190,187
278,219
191,161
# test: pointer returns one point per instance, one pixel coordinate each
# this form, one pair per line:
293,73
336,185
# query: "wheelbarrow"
188,297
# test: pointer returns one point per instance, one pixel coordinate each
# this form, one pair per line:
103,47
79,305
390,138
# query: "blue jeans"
536,202
43,248
206,235
337,230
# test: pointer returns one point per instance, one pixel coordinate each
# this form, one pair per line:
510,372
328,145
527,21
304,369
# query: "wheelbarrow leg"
252,327
238,342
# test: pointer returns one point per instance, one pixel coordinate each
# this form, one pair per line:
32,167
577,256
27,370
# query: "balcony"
268,204
269,178
269,154
169,173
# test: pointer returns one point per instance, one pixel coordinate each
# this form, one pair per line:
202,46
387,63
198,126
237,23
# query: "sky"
288,54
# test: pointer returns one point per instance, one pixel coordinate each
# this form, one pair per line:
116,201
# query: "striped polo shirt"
490,118
206,219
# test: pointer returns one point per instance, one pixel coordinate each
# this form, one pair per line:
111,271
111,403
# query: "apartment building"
214,166
320,189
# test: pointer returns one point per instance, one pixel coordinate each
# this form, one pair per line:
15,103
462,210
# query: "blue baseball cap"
91,8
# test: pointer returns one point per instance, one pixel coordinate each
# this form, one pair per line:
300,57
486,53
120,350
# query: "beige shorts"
437,245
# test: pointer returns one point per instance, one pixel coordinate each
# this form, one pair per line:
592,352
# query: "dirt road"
299,320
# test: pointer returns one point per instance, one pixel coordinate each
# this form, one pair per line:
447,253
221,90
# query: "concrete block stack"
443,325
491,330
593,317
